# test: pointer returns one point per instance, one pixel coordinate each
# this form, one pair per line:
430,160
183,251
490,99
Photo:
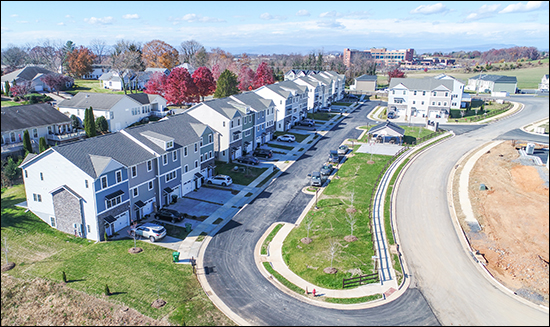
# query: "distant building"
486,83
364,83
380,56
543,86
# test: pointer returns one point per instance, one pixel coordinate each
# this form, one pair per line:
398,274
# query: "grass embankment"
135,280
245,174
329,224
476,112
269,238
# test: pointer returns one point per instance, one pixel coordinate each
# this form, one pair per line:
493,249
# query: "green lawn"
85,85
329,223
135,279
347,104
489,110
320,116
244,176
299,137
9,103
269,238
284,147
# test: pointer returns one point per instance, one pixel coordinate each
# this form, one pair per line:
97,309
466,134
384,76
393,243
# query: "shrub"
106,237
107,291
64,277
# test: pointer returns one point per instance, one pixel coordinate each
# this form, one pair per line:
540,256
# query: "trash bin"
188,227
175,256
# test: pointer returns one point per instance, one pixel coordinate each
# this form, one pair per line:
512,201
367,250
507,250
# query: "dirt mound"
329,270
8,266
350,238
306,240
135,250
514,218
158,303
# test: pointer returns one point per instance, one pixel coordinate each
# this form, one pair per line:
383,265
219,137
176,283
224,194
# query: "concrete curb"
534,124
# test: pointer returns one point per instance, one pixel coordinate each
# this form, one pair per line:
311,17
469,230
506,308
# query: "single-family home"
97,71
420,97
112,81
364,83
485,83
543,86
41,120
120,110
387,132
187,66
31,74
227,121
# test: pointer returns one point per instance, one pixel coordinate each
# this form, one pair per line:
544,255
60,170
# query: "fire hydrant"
313,292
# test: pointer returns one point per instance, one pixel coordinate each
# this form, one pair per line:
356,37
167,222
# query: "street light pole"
337,169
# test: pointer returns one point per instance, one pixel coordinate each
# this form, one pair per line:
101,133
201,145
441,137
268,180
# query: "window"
165,159
434,93
114,201
35,133
52,221
446,94
170,176
89,229
393,92
422,102
186,168
196,147
209,138
135,192
39,197
34,197
439,103
210,154
444,103
201,158
258,128
12,135
169,145
404,92
223,153
86,183
149,165
223,124
41,176
150,185
423,92
238,122
231,124
112,115
433,103
175,155
118,175
414,102
104,182
201,141
196,164
134,171
414,92
26,175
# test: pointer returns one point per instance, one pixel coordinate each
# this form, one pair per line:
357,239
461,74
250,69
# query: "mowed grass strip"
269,238
135,280
329,224
245,174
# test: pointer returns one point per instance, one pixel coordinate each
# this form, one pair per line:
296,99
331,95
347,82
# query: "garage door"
433,114
39,88
148,208
121,221
187,187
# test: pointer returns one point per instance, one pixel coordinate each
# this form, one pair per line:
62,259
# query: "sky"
282,26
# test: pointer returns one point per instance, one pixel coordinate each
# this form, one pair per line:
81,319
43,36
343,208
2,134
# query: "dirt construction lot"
513,213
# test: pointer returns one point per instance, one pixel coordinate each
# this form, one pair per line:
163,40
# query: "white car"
222,180
286,138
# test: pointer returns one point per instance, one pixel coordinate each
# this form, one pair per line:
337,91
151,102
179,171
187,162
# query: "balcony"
65,136
18,146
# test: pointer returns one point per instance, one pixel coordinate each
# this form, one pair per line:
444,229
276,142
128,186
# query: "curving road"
444,280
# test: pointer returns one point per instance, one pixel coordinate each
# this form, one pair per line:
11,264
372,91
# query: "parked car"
266,153
333,157
286,138
326,170
151,231
222,180
169,215
391,115
306,122
342,150
248,160
317,179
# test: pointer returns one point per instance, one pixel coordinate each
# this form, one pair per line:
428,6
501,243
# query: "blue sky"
284,25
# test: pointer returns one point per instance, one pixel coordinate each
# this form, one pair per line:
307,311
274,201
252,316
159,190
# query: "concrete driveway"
384,149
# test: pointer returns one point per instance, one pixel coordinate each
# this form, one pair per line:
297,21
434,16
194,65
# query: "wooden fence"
363,279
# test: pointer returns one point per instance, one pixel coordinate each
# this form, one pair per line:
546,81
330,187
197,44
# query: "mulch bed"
8,266
350,238
135,250
329,270
306,240
158,303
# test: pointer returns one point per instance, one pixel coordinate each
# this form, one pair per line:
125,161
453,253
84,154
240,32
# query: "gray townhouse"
326,89
263,116
314,100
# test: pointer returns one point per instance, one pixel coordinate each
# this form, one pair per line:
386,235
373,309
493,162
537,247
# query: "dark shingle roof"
99,101
495,78
28,73
32,115
366,77
389,125
116,146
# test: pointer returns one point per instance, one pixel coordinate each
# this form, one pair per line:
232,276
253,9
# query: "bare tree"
333,249
125,60
352,220
309,224
14,57
352,196
188,49
99,48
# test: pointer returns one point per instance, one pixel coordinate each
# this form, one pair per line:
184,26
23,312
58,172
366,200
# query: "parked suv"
248,160
326,170
151,231
266,153
342,150
317,179
333,157
306,122
169,215
222,180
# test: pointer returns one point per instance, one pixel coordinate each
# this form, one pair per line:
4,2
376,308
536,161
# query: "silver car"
151,231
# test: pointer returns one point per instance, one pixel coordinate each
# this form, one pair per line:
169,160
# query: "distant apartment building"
380,56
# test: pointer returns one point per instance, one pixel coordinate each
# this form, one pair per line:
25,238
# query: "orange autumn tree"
160,54
80,61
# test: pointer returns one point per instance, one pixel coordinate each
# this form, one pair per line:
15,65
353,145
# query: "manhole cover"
249,230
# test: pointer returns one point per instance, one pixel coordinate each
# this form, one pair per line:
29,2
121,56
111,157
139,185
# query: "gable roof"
387,124
31,115
427,84
496,78
222,106
99,101
27,73
366,77
255,101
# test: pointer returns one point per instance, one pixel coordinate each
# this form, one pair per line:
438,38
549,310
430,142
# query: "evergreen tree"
7,88
27,141
101,124
42,145
89,122
74,122
11,170
226,85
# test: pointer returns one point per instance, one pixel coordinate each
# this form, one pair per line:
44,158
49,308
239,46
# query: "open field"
135,280
93,86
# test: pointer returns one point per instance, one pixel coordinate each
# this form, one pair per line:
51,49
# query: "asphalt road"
453,285
233,275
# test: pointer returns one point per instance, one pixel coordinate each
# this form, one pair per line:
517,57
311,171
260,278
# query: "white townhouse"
457,93
290,102
296,73
338,85
543,86
420,97
326,89
314,92
120,110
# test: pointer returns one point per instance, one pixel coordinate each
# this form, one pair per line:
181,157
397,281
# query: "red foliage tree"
156,84
246,78
395,73
263,76
204,81
56,82
21,89
180,87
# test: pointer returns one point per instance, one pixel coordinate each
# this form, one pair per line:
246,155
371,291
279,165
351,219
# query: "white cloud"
484,11
332,13
14,15
330,24
104,20
520,7
61,24
191,18
131,16
430,9
303,13
68,16
268,16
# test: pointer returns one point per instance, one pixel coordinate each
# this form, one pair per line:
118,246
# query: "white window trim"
106,182
134,195
185,169
149,183
175,155
149,162
185,151
120,171
165,156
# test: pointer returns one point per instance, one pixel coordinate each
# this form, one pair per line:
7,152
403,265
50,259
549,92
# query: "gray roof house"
387,132
32,74
486,83
364,83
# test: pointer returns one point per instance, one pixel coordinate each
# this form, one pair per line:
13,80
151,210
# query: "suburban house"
290,101
32,74
459,99
187,66
97,71
259,127
120,110
100,185
420,97
112,81
387,132
41,120
364,83
543,86
485,83
227,121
